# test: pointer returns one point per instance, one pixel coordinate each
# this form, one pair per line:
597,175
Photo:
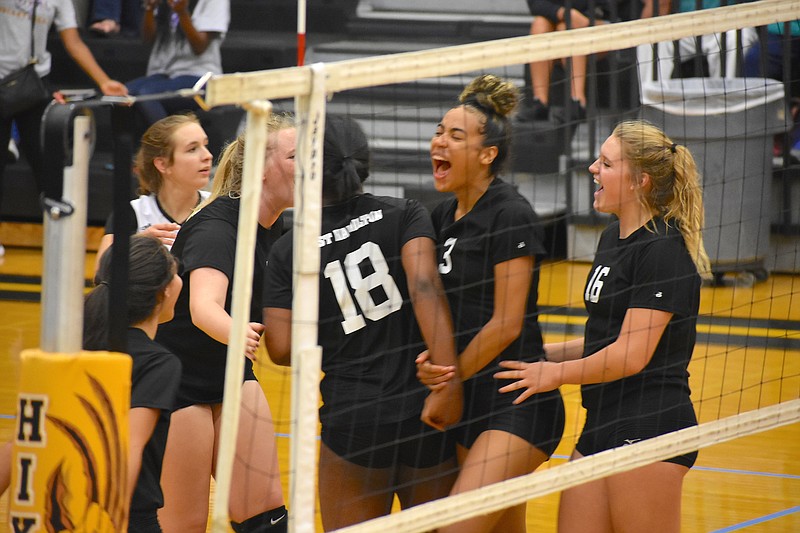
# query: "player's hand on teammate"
533,377
252,338
443,407
165,232
435,377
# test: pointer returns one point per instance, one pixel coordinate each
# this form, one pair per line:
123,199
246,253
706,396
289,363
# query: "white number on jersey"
361,287
447,262
595,284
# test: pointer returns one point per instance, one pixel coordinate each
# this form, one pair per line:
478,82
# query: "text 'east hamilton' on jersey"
340,234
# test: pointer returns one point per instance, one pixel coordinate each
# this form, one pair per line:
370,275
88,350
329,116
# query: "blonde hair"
676,193
158,141
230,167
495,99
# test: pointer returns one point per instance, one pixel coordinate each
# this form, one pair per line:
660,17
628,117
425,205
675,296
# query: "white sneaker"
13,151
2,250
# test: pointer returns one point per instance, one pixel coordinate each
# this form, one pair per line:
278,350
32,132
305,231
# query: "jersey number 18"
347,277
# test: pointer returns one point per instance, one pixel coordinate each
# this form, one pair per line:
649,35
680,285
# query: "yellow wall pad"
70,451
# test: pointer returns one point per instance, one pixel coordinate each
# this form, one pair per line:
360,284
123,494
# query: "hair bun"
492,93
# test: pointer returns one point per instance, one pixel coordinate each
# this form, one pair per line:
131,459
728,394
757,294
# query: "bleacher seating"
262,36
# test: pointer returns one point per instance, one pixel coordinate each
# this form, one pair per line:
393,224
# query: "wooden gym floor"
748,355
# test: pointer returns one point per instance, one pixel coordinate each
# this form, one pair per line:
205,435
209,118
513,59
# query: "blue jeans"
155,110
774,65
28,125
773,68
128,13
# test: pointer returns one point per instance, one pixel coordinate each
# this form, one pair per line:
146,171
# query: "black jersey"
647,270
208,240
154,384
500,227
367,328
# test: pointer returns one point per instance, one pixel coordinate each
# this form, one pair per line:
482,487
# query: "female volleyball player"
378,290
642,295
173,165
488,243
206,247
153,287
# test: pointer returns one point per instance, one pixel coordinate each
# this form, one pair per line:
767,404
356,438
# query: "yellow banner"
70,452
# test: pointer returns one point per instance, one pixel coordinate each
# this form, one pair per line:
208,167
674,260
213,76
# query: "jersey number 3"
343,279
447,262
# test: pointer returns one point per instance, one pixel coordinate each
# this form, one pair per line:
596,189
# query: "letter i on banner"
70,450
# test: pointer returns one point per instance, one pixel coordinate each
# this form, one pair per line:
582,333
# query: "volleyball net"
728,123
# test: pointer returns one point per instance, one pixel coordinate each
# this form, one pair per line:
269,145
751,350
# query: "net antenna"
301,32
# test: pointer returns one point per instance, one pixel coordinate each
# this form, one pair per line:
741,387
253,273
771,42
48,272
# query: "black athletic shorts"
539,419
410,443
603,433
207,393
143,522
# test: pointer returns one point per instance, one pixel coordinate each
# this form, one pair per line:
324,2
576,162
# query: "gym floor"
747,356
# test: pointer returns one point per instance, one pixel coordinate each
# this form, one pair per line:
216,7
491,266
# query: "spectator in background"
15,36
773,68
186,36
110,17
549,16
710,46
13,151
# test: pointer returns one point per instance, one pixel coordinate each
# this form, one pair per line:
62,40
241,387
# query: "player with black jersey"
153,287
650,269
379,297
489,242
643,296
206,248
208,240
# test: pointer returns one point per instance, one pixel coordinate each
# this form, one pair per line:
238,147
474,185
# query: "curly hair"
495,99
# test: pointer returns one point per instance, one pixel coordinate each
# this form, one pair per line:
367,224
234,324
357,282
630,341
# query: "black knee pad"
274,521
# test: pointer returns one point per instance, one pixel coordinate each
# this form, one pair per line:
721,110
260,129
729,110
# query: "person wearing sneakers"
549,16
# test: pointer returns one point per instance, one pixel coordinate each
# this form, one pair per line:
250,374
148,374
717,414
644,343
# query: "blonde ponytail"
676,194
230,166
